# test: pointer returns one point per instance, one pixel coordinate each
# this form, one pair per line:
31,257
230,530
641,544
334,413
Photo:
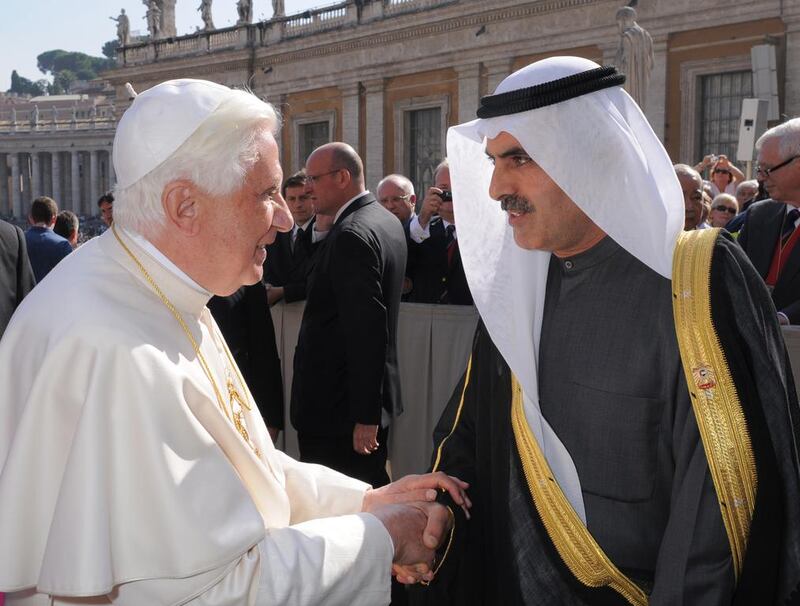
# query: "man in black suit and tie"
770,235
289,257
437,274
16,275
346,385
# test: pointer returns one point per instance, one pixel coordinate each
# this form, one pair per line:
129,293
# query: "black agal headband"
549,93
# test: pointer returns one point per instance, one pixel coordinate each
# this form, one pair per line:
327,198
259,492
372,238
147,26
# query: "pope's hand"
418,488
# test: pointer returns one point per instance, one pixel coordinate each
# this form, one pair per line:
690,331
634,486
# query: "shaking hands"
416,523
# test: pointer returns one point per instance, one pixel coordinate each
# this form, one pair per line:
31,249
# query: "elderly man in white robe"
134,467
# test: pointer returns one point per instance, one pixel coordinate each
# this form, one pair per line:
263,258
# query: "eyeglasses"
395,199
725,209
311,179
760,170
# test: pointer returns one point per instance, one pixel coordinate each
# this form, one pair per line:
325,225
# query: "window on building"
424,147
720,108
312,135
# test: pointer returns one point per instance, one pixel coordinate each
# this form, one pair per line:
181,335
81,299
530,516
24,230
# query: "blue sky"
30,27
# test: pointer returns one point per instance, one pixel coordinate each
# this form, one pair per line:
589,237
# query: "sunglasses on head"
725,209
722,170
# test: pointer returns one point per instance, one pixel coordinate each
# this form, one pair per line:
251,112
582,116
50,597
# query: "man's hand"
430,206
417,530
413,488
365,438
274,294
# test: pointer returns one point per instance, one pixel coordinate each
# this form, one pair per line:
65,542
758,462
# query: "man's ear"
181,206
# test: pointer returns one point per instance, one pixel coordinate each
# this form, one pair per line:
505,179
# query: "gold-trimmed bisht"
716,404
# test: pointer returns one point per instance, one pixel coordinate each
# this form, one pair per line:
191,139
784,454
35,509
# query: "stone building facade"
390,76
58,146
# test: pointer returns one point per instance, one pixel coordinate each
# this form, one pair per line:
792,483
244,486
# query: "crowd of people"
624,432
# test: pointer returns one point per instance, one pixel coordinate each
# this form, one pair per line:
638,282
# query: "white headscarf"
600,149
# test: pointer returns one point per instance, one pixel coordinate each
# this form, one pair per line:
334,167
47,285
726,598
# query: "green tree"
81,65
110,49
23,86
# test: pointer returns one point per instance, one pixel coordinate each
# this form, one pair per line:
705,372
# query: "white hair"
752,184
789,138
687,171
215,158
401,181
443,164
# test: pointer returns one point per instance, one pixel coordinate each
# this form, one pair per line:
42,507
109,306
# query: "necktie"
788,225
298,239
452,244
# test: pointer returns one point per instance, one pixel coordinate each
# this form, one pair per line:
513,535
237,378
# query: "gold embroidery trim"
439,460
458,416
573,541
716,404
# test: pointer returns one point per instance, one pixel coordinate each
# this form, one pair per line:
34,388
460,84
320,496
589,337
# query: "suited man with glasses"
770,235
346,386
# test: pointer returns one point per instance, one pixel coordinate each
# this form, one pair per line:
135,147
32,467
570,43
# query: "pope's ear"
180,203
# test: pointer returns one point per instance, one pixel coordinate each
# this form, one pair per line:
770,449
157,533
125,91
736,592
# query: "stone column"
56,176
94,178
496,71
36,177
374,151
350,115
75,182
112,175
656,104
791,93
15,197
468,91
5,197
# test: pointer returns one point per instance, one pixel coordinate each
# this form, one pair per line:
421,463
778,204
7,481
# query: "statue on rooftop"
245,10
634,54
123,27
153,17
278,9
205,15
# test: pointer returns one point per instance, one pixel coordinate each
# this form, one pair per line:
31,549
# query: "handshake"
417,524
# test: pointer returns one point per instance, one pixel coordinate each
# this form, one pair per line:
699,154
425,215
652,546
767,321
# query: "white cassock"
120,476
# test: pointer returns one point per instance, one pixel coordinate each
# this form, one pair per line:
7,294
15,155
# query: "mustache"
516,203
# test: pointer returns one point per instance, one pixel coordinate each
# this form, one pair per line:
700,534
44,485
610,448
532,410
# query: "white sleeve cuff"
416,231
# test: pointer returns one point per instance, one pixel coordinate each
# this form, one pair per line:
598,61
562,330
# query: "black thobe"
612,388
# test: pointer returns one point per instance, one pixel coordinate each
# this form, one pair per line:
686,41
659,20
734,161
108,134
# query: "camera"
446,196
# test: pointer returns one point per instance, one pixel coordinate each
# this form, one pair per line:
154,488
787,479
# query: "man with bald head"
346,386
396,194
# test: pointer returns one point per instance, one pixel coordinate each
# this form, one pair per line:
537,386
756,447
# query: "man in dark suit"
396,194
289,257
437,274
45,247
346,385
246,324
16,275
770,236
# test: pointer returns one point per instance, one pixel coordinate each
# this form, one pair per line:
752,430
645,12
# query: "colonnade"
75,179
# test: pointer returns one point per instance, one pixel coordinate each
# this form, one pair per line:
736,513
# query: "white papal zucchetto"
159,121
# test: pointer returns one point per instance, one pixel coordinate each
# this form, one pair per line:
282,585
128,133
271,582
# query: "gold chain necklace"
234,416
